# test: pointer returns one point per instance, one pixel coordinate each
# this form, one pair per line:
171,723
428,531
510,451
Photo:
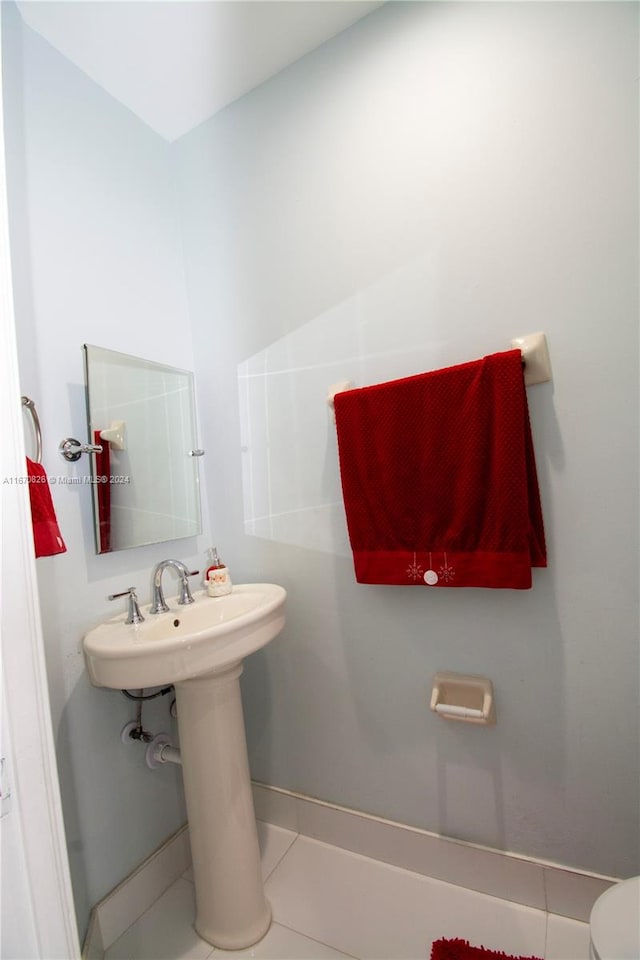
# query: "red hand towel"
439,478
46,533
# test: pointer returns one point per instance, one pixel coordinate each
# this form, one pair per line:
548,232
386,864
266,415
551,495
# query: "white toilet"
615,923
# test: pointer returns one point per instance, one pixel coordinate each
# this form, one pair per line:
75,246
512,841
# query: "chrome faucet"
133,613
158,604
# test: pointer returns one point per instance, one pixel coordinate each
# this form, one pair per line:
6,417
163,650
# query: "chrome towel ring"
31,407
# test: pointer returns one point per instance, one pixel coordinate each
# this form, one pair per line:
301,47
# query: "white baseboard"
128,901
534,883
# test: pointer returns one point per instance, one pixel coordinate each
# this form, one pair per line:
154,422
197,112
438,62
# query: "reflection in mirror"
145,482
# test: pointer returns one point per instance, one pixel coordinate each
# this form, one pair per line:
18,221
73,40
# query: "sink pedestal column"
231,909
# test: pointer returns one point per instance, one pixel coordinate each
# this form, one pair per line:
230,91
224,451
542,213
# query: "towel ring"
31,407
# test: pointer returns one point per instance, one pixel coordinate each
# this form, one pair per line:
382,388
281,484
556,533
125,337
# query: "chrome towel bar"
72,449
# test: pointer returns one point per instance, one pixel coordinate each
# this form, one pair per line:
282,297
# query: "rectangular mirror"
145,482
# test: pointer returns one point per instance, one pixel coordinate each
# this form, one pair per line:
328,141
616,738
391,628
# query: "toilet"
615,923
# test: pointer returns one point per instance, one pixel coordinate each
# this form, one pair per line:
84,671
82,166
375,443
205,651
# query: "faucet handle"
133,613
185,592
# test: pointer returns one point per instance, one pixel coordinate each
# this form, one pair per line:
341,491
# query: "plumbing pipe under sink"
160,750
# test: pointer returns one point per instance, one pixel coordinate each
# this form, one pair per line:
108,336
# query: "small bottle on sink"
217,579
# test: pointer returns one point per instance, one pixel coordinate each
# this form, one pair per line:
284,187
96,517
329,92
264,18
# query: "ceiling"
175,63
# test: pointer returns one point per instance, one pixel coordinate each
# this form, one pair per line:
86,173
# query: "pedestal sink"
199,648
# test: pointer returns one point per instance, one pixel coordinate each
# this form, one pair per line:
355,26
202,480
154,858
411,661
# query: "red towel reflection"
103,493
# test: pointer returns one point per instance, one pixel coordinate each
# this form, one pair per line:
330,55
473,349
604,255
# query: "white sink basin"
189,641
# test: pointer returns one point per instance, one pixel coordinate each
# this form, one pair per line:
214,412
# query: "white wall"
97,259
437,180
37,916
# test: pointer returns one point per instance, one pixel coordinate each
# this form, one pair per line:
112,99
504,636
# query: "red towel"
46,533
439,478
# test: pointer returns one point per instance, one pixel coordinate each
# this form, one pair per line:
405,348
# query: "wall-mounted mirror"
145,482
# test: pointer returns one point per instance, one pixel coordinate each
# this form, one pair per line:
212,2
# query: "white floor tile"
165,931
283,944
331,904
567,939
373,910
274,843
485,871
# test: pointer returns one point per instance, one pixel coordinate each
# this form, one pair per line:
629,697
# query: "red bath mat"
462,950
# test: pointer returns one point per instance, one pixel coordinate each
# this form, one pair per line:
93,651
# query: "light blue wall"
437,180
430,184
96,258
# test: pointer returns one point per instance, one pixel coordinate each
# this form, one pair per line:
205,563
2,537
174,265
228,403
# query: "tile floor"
328,902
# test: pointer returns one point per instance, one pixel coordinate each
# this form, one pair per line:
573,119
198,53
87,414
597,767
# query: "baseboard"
136,893
535,883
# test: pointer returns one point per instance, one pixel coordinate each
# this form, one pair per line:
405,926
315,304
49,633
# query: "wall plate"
535,353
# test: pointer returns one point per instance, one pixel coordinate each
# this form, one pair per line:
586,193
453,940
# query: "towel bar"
115,435
338,388
535,358
72,449
535,363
